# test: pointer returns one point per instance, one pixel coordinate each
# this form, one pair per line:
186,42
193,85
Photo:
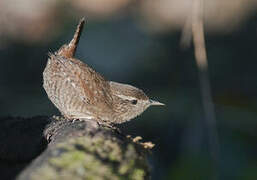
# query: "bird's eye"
134,102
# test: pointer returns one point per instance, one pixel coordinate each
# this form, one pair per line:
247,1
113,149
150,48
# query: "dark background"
122,49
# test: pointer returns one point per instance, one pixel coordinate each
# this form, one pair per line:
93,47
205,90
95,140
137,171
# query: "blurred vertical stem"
197,33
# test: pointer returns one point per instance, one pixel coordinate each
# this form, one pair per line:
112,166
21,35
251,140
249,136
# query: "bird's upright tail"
69,50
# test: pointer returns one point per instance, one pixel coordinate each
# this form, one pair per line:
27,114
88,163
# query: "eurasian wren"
79,92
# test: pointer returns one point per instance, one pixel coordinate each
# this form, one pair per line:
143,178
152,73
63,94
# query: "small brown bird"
79,92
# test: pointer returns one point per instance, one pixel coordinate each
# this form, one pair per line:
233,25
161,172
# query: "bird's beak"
156,103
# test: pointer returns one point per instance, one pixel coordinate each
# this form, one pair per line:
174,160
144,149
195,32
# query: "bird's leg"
70,118
74,120
105,124
111,126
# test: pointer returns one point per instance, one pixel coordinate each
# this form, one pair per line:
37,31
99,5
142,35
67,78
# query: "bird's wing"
90,85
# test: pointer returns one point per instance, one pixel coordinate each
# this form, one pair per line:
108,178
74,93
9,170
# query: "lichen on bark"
79,150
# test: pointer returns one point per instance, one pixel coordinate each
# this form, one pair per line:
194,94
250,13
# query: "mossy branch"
81,150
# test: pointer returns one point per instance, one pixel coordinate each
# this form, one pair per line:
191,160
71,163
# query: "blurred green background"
138,43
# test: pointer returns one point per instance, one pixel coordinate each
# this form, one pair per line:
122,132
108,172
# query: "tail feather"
69,50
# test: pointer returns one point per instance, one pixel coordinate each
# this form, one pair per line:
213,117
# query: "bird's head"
129,101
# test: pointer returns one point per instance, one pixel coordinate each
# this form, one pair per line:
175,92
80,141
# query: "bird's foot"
110,126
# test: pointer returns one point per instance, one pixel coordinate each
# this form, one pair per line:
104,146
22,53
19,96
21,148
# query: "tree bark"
56,148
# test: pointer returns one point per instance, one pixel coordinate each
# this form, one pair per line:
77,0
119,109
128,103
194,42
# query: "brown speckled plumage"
79,92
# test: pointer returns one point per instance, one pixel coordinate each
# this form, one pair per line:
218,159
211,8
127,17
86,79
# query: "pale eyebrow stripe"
125,97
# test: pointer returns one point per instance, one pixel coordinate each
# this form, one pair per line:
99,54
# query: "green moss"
68,159
45,172
138,174
92,158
